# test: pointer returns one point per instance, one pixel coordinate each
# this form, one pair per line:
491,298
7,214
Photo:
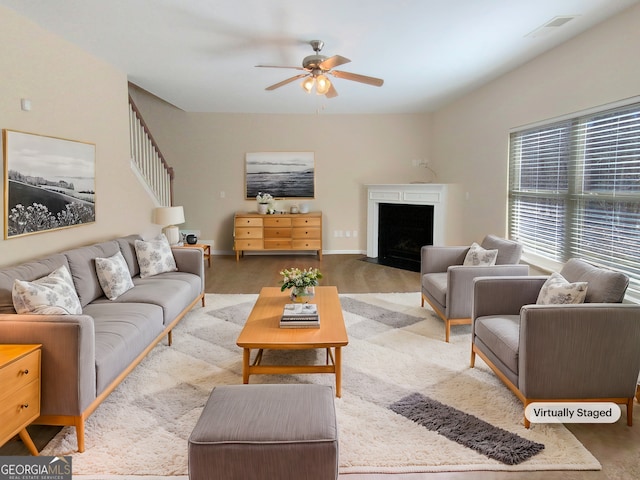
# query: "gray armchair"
447,285
577,352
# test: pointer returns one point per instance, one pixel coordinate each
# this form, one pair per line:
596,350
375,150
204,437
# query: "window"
574,190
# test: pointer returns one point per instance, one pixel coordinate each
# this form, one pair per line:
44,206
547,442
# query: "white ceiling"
199,55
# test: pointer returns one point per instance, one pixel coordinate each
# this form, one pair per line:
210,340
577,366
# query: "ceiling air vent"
551,26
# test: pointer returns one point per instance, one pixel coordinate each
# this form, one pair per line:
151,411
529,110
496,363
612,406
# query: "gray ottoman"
265,432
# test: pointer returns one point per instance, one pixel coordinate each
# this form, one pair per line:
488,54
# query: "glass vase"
302,294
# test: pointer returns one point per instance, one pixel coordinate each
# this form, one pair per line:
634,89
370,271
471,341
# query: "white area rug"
395,348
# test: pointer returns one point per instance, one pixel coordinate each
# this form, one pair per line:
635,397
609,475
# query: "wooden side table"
203,246
20,394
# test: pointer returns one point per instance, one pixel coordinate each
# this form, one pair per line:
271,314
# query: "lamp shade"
169,216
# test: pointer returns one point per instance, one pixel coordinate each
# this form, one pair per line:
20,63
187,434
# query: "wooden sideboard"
280,231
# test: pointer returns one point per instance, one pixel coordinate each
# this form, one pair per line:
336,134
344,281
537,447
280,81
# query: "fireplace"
425,208
402,231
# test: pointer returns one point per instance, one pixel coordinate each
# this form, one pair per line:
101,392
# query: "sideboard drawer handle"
25,371
24,405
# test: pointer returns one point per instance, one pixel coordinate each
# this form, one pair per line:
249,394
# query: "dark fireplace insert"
402,231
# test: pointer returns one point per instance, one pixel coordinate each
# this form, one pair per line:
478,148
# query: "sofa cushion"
50,295
558,291
113,275
480,257
128,250
509,251
28,271
605,286
173,295
436,285
501,334
82,266
155,256
122,332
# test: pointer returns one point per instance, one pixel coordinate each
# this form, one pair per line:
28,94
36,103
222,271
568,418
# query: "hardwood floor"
615,446
347,272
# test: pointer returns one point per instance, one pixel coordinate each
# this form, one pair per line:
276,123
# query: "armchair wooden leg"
630,412
447,328
422,300
473,357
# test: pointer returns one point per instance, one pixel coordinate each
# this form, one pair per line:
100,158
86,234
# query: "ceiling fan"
316,68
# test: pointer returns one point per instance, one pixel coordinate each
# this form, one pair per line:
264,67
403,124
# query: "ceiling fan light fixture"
322,84
307,84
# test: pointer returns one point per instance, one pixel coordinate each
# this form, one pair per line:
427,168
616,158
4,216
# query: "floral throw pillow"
557,291
113,275
155,256
479,257
54,294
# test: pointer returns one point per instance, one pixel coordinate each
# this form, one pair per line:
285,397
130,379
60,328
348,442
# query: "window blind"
574,190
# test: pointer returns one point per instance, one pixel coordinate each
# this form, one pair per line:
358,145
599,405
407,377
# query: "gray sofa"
561,352
85,357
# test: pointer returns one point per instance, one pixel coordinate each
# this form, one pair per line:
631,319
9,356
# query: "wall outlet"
223,194
347,234
355,233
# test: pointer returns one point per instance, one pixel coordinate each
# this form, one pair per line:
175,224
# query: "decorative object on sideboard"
304,208
264,200
170,217
294,209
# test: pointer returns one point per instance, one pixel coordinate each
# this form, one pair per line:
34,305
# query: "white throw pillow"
113,275
479,257
155,256
54,294
557,291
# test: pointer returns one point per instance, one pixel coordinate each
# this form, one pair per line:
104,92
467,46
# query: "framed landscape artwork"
49,183
282,174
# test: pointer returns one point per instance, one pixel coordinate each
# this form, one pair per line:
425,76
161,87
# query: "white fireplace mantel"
411,194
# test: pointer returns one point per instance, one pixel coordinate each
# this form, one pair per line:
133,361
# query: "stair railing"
148,158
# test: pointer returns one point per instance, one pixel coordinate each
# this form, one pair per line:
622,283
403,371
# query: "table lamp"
170,217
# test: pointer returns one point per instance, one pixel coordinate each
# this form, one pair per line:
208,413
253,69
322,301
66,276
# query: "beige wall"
471,135
208,154
78,97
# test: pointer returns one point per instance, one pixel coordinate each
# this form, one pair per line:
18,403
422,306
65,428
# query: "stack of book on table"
300,315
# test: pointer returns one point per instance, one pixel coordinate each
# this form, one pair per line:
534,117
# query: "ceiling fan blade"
284,82
279,66
332,62
376,82
331,92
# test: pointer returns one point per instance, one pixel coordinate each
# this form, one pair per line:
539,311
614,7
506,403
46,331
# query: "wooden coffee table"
262,332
